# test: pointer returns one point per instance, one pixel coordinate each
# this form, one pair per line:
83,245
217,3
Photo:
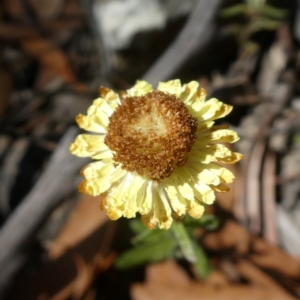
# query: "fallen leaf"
13,32
50,57
260,287
45,9
86,235
235,237
6,87
85,219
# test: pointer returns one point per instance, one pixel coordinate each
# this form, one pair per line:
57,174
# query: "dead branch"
194,37
30,214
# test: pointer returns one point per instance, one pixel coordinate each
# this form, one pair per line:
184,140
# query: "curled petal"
217,136
98,115
99,177
224,174
141,88
211,110
222,154
94,187
109,95
176,200
204,193
189,92
160,213
172,87
87,145
90,123
221,188
195,209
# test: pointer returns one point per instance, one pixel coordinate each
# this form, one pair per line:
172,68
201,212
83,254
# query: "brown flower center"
151,134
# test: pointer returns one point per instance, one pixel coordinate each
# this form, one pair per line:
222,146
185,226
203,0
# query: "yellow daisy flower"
156,151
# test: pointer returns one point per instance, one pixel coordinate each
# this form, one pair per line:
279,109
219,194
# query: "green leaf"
256,5
184,241
137,226
147,253
233,11
262,24
210,222
275,13
251,47
202,265
152,236
296,139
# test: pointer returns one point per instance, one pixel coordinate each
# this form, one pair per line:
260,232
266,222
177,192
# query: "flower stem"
184,241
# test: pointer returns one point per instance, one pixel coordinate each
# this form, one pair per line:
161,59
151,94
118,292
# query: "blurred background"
54,55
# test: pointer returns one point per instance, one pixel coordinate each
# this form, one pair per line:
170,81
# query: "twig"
31,213
103,51
252,194
283,95
194,37
268,196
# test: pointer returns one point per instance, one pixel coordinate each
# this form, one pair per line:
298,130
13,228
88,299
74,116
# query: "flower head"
156,151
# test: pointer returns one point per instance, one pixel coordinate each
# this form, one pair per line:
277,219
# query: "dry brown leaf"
261,287
12,32
86,235
231,235
45,9
273,258
6,86
167,273
84,220
234,236
50,57
86,274
73,8
14,9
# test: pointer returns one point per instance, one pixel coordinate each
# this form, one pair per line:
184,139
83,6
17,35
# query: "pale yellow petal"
141,88
163,211
160,213
189,92
205,125
211,110
97,118
201,157
225,175
204,192
132,196
98,169
195,209
90,123
198,103
110,96
202,172
94,187
115,200
117,174
221,188
181,179
103,155
222,154
177,202
97,177
146,198
88,145
217,136
149,220
101,111
172,87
